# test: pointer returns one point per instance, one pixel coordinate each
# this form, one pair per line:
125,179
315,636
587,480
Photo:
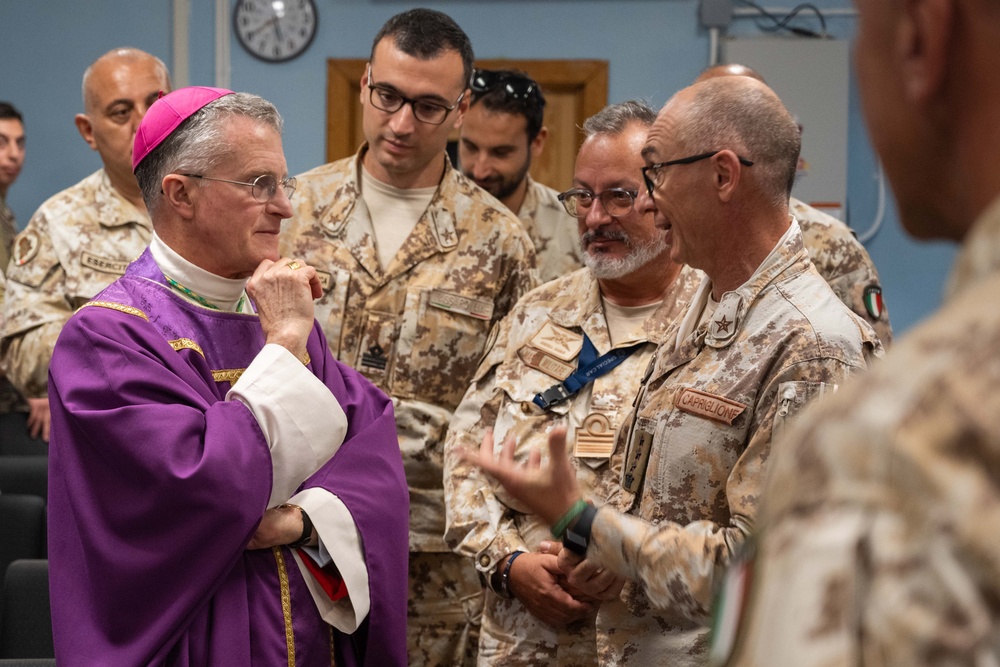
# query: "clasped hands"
565,588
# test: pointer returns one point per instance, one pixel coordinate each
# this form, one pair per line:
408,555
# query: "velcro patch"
104,265
545,363
560,343
479,308
707,405
25,247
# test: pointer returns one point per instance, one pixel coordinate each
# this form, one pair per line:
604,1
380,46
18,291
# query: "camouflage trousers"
444,610
511,636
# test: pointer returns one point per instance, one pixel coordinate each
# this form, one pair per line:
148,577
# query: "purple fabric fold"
157,483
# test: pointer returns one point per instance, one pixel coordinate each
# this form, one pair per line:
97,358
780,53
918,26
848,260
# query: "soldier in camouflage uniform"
501,134
415,320
877,541
764,335
81,239
533,620
832,246
11,160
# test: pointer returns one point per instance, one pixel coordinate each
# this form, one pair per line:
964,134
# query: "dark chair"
22,525
25,474
25,614
14,438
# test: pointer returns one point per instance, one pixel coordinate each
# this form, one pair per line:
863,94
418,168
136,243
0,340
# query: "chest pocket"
691,457
441,339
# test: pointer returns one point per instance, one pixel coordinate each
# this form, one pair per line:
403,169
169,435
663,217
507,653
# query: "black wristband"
577,538
307,529
505,591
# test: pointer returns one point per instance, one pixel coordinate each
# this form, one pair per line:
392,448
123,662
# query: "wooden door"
574,90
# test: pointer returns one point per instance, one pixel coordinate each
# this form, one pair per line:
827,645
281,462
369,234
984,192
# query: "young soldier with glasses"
417,264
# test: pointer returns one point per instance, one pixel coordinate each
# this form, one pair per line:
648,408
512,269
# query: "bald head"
742,114
113,59
732,69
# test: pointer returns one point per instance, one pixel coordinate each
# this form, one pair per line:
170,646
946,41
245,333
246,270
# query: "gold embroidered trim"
286,604
116,306
306,359
186,344
228,374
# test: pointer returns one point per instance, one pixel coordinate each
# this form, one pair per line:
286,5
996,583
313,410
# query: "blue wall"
654,48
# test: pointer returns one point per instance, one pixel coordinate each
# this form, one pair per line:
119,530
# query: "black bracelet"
577,538
307,529
505,590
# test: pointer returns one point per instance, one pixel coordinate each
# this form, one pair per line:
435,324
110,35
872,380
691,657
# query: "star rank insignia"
722,325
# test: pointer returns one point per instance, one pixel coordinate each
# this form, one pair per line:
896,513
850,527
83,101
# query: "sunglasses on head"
517,86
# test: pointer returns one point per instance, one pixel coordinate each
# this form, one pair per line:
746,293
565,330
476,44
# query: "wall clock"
275,30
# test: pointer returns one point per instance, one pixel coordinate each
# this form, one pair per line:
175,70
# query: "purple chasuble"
156,484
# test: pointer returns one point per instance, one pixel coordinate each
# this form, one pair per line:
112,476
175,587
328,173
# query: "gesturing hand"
548,491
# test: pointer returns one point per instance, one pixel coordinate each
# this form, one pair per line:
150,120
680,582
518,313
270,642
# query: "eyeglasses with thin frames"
390,101
616,201
651,173
263,188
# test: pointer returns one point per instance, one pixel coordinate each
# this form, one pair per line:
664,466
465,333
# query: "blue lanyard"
589,367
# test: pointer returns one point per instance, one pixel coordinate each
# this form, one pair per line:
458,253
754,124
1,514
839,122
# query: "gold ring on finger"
294,264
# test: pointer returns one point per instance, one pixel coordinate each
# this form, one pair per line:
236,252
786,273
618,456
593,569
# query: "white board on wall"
812,78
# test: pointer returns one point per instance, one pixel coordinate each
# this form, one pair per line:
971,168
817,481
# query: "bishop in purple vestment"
222,491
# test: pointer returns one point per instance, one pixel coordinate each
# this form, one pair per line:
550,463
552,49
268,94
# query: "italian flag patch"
873,301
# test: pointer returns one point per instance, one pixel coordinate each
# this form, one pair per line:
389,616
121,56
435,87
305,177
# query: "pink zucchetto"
167,113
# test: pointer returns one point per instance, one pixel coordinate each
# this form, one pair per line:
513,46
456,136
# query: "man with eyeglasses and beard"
608,318
501,135
763,335
417,264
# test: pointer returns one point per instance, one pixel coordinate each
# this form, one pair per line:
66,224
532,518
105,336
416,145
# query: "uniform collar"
979,255
113,210
729,316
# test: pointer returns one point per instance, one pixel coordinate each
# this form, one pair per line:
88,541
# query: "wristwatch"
577,538
307,529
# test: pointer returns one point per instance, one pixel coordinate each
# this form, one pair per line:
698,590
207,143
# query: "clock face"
275,30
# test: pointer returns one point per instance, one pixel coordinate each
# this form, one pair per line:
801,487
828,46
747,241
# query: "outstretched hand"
549,491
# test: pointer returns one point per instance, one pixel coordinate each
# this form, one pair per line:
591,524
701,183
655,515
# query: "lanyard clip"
557,393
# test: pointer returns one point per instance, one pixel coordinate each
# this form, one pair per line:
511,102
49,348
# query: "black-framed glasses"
264,187
517,86
616,201
651,173
390,101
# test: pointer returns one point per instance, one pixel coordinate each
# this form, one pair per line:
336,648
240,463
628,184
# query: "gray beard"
611,268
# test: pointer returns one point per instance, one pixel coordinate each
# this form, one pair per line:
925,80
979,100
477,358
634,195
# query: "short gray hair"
742,115
200,143
615,118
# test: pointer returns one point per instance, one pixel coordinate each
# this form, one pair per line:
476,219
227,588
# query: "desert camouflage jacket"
877,540
843,261
418,327
554,232
77,243
699,441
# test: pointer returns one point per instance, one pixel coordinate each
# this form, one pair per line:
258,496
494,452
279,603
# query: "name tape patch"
708,405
